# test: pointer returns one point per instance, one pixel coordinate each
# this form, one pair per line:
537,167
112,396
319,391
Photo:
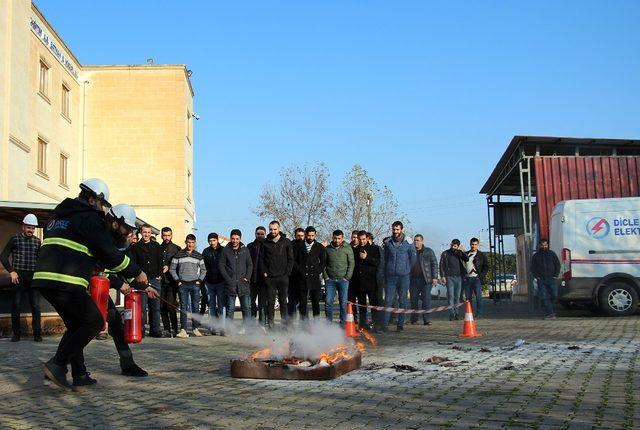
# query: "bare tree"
362,204
301,199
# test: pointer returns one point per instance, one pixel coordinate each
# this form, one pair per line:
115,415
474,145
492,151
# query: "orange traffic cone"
349,324
469,327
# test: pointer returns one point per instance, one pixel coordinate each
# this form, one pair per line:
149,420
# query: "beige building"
62,122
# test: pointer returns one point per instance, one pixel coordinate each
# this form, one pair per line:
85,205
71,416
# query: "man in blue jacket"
399,256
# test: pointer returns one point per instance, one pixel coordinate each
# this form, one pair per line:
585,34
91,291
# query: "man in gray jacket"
236,268
424,276
188,268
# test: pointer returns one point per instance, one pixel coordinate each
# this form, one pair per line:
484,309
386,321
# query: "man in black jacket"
309,261
235,268
75,238
148,255
364,281
545,267
213,280
169,291
275,266
477,267
258,287
452,272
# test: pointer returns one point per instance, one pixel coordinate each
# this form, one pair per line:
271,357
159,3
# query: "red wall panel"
565,178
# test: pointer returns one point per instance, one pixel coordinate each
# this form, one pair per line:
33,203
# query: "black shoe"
37,338
132,369
399,328
102,336
57,374
156,335
15,338
451,318
427,323
83,381
456,318
414,322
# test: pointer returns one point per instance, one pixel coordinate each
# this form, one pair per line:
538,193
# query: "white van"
598,243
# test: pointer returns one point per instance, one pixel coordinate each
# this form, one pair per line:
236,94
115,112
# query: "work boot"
130,368
83,381
56,374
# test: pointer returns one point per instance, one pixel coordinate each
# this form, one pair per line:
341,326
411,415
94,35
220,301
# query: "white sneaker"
182,334
196,332
242,331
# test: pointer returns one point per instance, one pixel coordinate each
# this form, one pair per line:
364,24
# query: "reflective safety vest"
75,238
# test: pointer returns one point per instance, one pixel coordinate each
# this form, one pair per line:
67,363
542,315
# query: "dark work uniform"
23,251
75,238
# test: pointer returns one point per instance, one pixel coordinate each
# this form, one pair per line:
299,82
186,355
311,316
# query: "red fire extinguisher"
99,292
132,316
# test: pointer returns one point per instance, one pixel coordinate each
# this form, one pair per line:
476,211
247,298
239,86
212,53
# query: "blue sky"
425,95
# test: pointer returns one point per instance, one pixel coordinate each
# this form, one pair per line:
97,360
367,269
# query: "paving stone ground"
543,384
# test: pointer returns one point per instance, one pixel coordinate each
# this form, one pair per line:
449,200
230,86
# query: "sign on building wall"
57,50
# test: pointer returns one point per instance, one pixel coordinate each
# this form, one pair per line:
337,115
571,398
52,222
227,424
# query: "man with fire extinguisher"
74,239
121,222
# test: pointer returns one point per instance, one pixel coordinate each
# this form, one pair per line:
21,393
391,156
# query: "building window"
64,161
66,96
44,79
189,124
189,185
42,156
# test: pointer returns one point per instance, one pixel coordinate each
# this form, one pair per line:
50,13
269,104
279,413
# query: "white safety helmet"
97,187
124,214
30,219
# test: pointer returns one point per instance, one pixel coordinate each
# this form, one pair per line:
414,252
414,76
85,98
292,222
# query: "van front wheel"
618,299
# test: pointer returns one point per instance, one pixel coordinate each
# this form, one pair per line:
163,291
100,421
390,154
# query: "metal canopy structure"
536,172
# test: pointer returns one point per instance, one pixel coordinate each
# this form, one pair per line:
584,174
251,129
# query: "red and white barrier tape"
409,311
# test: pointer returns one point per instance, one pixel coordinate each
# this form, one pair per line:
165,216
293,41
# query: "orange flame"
371,338
263,354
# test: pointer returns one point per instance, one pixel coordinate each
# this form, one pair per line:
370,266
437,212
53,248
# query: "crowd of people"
274,272
87,235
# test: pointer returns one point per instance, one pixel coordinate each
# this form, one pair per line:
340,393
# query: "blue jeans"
342,286
454,287
548,291
396,285
420,290
472,285
245,305
217,299
189,302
